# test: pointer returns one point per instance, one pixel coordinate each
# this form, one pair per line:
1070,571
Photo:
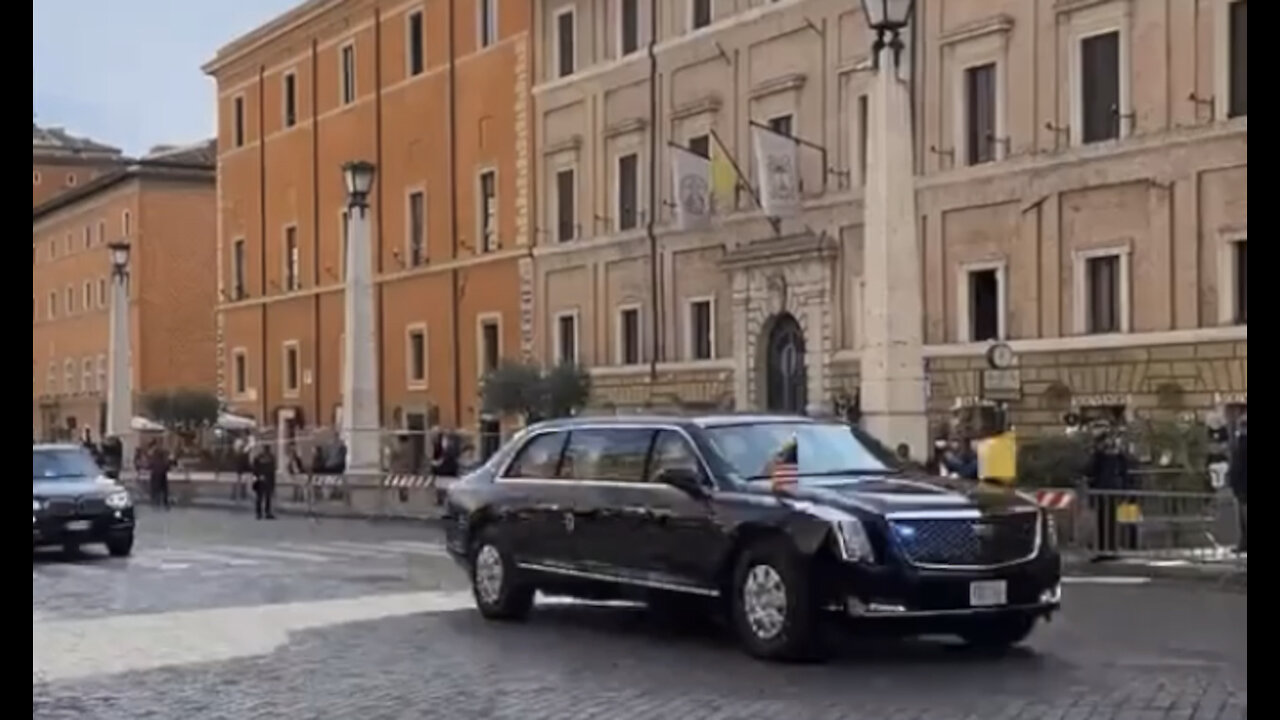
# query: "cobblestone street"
219,616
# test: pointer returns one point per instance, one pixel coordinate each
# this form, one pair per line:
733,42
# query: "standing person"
112,457
1108,474
264,483
445,456
1238,477
960,460
158,463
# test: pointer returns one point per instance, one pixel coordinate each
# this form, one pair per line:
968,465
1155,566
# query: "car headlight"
852,541
119,500
36,505
1050,529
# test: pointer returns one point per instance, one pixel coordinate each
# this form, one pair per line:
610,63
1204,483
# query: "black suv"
73,503
780,521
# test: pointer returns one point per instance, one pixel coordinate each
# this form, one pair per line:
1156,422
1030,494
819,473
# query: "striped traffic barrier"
1055,499
408,481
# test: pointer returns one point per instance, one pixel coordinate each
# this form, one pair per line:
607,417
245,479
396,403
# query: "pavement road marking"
1105,580
419,547
203,557
336,548
68,649
270,553
402,548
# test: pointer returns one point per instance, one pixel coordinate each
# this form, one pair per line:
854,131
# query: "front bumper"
48,530
904,591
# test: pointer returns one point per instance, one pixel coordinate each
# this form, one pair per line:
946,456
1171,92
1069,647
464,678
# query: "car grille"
61,507
91,506
992,540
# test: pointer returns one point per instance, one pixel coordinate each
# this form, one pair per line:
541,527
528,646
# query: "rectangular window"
567,338
102,292
984,305
101,383
292,379
980,113
628,192
69,299
1100,86
488,211
239,372
417,228
347,58
864,132
237,122
69,376
629,336
416,356
490,346
292,263
1102,278
566,205
628,26
701,13
53,305
700,145
289,90
86,374
238,290
701,330
781,125
86,293
1241,259
414,42
126,223
488,22
345,245
1238,58
51,378
88,237
566,52
102,231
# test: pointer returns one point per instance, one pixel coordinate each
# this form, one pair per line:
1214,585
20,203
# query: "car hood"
883,495
74,487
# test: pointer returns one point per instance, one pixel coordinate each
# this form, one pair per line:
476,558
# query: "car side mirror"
684,479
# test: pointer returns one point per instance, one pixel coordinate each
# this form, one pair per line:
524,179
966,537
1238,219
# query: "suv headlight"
36,505
852,541
1049,528
119,500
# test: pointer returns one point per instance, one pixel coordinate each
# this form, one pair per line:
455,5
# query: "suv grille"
61,507
91,506
992,540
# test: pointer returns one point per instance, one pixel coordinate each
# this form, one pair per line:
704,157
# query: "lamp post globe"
358,177
119,257
888,15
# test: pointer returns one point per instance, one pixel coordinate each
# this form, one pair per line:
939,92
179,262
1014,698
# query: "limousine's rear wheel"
772,606
498,594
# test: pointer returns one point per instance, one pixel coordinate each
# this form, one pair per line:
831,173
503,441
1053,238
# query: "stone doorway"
786,374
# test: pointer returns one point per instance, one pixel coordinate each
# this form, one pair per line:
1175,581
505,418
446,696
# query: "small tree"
524,390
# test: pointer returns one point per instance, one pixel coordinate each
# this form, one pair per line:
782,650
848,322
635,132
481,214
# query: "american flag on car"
785,471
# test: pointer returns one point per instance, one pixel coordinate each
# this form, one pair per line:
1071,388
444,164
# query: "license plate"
78,525
988,593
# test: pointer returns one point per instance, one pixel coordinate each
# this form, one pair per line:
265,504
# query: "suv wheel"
999,632
120,546
772,607
493,583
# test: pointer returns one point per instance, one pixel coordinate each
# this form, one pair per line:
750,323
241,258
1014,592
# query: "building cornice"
267,33
172,172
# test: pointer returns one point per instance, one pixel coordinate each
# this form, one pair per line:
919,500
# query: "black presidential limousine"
781,521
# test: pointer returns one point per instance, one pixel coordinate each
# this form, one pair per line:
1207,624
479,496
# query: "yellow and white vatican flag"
777,172
691,181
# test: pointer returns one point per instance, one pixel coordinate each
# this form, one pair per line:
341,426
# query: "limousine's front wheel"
493,581
772,606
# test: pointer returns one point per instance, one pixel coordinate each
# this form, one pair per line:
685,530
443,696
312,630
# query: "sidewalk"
1211,565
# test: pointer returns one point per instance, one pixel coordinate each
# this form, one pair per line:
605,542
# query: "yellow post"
998,458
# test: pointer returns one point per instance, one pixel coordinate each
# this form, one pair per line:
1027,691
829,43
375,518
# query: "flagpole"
755,196
655,303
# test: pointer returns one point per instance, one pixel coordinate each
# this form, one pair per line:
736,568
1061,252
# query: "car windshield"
822,449
62,464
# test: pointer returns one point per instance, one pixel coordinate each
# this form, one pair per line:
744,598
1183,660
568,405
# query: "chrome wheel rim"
488,578
764,601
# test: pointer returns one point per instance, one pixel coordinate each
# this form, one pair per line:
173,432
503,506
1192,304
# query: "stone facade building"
436,95
163,206
1082,189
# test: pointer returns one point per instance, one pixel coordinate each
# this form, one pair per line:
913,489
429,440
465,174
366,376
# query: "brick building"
1082,185
61,161
163,206
436,95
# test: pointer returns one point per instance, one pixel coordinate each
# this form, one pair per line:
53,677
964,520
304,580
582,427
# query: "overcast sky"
127,72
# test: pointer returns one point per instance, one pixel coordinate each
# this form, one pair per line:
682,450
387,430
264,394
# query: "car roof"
701,421
50,447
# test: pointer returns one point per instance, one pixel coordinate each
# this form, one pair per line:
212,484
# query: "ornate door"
786,378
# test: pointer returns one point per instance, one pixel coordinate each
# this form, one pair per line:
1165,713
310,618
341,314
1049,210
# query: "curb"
247,507
1221,574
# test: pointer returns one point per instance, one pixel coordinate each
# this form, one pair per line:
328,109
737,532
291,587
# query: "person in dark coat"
112,459
444,455
158,463
1108,473
961,460
1238,479
264,483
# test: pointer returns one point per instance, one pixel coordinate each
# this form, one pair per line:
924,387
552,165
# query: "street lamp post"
119,373
893,380
360,411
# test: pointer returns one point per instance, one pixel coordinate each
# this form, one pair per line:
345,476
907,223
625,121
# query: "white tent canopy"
141,424
229,421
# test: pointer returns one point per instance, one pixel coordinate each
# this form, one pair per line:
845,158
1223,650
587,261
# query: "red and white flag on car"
785,471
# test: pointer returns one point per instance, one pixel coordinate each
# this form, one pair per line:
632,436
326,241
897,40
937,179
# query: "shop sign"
1002,384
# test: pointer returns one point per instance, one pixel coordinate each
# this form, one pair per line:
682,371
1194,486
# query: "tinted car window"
613,455
823,449
539,458
672,451
62,464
